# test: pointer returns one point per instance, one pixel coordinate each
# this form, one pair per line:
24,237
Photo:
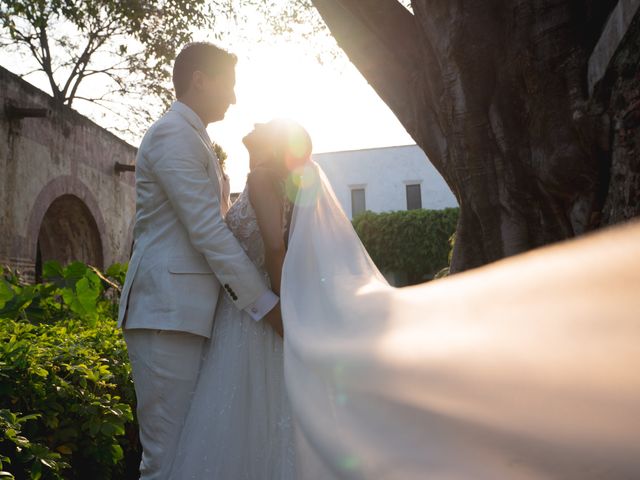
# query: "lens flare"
298,147
342,399
302,185
349,462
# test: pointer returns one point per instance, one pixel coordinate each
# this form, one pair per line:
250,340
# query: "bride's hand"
274,318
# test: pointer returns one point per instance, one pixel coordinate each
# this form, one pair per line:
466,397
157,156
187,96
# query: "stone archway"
83,205
68,232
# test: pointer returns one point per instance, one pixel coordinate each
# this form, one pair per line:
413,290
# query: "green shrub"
66,394
33,457
416,242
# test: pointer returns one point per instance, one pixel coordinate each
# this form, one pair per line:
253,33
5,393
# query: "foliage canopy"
106,52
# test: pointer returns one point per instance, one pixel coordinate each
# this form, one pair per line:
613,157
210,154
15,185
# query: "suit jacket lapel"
194,121
224,201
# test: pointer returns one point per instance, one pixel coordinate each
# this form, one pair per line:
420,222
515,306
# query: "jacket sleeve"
181,171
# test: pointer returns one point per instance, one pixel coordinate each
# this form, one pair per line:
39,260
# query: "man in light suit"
183,253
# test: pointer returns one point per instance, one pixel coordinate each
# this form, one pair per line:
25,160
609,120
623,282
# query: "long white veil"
523,370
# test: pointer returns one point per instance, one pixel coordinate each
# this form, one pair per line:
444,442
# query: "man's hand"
274,318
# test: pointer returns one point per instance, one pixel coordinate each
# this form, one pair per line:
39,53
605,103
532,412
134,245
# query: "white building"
385,179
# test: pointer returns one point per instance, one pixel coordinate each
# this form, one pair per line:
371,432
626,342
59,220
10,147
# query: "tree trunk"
495,93
619,99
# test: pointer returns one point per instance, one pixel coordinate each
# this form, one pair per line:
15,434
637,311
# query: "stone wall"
60,194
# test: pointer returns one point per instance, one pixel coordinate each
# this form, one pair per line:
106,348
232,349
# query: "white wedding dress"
239,426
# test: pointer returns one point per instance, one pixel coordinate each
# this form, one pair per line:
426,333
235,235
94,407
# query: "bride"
524,369
239,425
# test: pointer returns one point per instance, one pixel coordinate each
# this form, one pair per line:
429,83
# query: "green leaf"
117,453
41,372
74,272
87,294
65,449
6,292
52,270
36,471
108,429
117,272
48,463
32,416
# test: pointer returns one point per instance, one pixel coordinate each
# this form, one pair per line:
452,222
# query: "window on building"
358,204
414,197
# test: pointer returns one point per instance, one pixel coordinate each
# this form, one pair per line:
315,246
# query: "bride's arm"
267,203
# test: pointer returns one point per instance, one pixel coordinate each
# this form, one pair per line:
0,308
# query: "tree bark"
495,93
618,98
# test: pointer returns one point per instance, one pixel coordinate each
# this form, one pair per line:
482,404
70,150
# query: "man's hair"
202,56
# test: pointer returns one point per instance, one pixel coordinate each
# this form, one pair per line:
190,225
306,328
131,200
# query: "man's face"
217,93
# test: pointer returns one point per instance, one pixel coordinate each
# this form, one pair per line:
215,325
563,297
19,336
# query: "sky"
280,77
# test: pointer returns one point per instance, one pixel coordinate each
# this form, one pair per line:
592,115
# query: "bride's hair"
292,149
291,145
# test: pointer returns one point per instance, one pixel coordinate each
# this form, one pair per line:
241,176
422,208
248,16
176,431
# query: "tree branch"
80,74
98,35
28,41
30,72
82,58
105,71
46,63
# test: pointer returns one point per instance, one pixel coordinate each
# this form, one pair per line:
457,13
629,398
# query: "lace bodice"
242,222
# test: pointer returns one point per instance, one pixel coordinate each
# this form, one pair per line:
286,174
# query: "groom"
183,253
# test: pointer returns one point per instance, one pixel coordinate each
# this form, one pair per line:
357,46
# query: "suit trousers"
165,366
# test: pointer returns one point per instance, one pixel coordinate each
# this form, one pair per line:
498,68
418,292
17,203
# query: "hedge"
417,242
66,394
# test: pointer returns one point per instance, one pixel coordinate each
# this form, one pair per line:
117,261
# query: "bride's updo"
291,145
281,145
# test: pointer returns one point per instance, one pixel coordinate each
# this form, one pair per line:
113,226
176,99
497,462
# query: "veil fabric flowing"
522,370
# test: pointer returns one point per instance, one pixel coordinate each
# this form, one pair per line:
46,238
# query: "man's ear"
197,80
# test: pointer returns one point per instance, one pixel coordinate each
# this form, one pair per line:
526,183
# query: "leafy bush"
37,456
66,394
414,241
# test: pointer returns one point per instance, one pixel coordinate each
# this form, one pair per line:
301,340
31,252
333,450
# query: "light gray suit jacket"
183,251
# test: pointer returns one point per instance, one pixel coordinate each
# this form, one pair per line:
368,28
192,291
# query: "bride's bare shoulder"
262,181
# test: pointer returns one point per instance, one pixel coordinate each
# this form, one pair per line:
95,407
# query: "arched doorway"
68,232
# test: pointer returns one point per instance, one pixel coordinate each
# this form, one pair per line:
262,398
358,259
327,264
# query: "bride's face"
259,145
